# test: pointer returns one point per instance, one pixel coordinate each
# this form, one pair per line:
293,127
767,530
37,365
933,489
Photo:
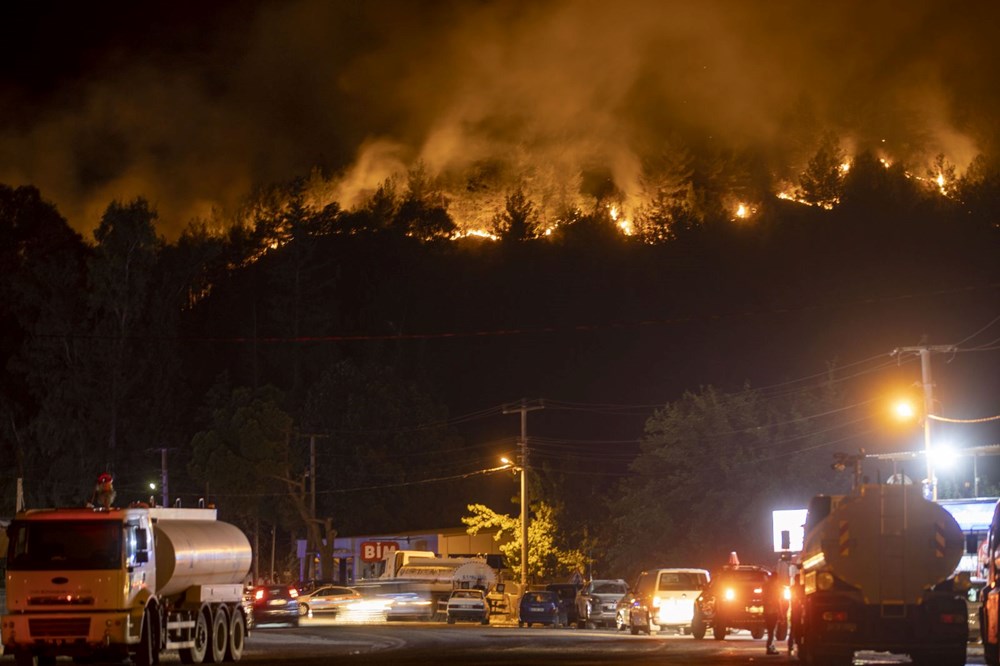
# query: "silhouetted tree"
822,181
516,222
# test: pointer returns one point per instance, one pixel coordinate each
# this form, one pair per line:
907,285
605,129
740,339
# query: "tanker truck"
877,572
107,584
431,578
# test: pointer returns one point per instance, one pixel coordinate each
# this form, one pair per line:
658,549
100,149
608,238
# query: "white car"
664,598
327,599
468,605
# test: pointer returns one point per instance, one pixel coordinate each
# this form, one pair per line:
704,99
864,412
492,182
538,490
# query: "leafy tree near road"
548,557
244,458
712,467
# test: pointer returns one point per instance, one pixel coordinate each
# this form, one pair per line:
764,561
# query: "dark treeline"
388,346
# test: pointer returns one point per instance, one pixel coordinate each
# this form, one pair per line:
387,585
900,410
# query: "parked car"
275,604
665,598
567,598
541,607
597,602
733,600
468,605
327,599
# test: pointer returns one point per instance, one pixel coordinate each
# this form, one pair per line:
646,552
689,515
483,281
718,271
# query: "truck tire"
200,636
237,637
719,631
698,628
220,636
757,633
144,655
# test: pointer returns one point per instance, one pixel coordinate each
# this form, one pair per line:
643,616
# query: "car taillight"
834,616
951,618
258,595
293,593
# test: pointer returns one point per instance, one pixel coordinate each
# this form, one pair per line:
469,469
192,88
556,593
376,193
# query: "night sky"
193,104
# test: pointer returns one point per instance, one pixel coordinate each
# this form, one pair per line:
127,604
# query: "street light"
905,410
524,520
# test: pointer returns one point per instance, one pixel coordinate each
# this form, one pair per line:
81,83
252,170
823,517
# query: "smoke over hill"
193,106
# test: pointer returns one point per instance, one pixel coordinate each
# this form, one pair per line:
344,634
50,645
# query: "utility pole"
925,352
524,408
164,490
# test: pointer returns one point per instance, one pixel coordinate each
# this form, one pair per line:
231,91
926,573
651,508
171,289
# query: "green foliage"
712,467
244,457
548,557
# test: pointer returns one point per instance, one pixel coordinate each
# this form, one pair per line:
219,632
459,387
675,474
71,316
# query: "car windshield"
466,594
52,545
680,580
540,597
610,588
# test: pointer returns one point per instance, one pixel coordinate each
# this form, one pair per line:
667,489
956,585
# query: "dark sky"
191,104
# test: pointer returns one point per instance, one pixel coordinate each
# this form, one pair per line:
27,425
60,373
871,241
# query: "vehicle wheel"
520,624
620,623
144,651
698,629
196,654
485,620
634,629
220,636
451,620
719,631
529,625
237,637
294,622
303,609
756,633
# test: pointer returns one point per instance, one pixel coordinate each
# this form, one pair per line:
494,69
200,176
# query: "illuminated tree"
547,558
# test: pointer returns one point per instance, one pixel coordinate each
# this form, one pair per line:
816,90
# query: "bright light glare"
505,461
943,456
904,410
152,486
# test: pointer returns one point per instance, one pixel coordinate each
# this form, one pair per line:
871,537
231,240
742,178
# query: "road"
411,643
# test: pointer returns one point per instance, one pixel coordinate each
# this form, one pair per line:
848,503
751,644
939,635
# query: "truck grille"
59,628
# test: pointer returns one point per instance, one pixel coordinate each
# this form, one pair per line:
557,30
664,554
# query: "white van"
664,598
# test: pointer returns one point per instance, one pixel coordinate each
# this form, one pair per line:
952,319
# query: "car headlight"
729,594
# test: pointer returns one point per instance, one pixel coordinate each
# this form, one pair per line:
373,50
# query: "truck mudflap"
935,632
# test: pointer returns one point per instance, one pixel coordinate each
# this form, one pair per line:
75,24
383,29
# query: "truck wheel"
196,654
237,637
719,631
756,633
220,636
144,651
698,629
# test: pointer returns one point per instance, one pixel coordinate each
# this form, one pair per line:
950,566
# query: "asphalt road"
317,642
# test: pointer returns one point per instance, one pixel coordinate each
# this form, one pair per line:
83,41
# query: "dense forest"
698,365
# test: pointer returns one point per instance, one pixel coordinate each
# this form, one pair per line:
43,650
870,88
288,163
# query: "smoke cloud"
487,94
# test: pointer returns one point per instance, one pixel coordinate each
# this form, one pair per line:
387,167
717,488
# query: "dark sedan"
276,604
542,607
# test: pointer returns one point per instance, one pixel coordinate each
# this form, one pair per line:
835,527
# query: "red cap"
104,478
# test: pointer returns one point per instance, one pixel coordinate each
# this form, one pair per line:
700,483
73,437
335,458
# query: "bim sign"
375,551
